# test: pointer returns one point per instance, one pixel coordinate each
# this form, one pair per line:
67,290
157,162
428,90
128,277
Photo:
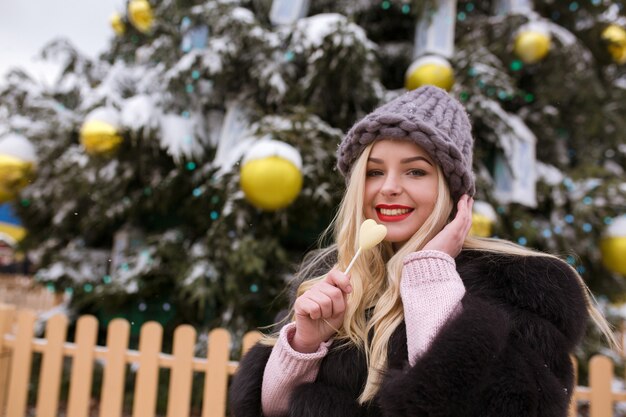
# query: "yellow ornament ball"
99,134
483,219
429,70
17,165
15,173
6,195
271,176
140,15
613,246
531,46
481,225
615,36
117,23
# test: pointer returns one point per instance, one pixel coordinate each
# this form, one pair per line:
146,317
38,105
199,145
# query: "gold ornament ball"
614,254
429,71
532,46
483,218
613,246
270,183
615,36
99,138
140,15
117,23
481,225
6,195
15,174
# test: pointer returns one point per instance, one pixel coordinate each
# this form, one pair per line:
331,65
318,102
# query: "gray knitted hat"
429,117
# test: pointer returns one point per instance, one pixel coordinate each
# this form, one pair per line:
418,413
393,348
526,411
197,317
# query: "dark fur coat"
505,355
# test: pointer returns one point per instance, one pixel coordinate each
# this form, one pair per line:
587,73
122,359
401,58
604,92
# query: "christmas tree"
151,195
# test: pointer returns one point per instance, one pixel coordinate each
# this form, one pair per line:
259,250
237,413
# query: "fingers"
470,207
464,214
462,222
326,299
340,280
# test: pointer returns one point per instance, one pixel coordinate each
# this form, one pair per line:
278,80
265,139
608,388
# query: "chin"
398,241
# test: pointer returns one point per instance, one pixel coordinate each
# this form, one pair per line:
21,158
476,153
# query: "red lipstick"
392,212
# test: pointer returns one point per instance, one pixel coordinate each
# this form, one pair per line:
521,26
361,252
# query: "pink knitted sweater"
431,291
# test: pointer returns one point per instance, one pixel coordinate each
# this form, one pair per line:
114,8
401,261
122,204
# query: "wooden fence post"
181,376
7,315
600,378
20,364
249,340
573,405
216,377
51,367
82,367
113,379
146,383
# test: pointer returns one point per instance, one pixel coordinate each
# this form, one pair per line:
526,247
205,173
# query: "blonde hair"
375,304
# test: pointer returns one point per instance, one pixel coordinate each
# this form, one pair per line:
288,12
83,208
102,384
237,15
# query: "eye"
374,173
416,172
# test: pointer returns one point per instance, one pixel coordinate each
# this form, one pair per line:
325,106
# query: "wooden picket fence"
18,343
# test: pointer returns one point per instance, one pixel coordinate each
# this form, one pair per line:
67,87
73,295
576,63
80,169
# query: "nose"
391,186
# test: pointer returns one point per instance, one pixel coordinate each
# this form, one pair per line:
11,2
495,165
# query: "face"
400,188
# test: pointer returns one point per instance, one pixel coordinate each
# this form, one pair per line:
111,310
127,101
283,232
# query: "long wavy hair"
375,307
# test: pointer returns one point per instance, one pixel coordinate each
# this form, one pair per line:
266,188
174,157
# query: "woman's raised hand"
319,311
450,239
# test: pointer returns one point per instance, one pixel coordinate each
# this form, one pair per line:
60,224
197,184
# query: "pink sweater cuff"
431,291
286,369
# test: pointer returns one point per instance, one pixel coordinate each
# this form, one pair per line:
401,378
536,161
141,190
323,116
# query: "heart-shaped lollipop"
370,235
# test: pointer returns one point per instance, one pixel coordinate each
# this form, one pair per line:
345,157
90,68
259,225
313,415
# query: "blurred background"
26,27
174,160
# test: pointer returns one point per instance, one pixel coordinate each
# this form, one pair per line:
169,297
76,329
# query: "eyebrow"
402,161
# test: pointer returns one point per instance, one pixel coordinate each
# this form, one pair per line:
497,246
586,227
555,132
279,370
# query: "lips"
393,213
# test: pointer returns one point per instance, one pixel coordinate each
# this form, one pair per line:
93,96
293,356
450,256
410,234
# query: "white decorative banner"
195,38
435,31
287,12
515,168
516,175
504,7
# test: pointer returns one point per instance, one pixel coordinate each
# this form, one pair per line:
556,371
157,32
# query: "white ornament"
485,209
617,227
17,146
537,26
108,115
266,147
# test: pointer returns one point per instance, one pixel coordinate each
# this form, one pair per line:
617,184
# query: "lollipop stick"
356,255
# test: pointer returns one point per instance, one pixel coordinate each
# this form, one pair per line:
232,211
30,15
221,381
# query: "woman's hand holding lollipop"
319,311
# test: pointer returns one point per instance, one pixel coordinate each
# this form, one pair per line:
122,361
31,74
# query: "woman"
430,322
